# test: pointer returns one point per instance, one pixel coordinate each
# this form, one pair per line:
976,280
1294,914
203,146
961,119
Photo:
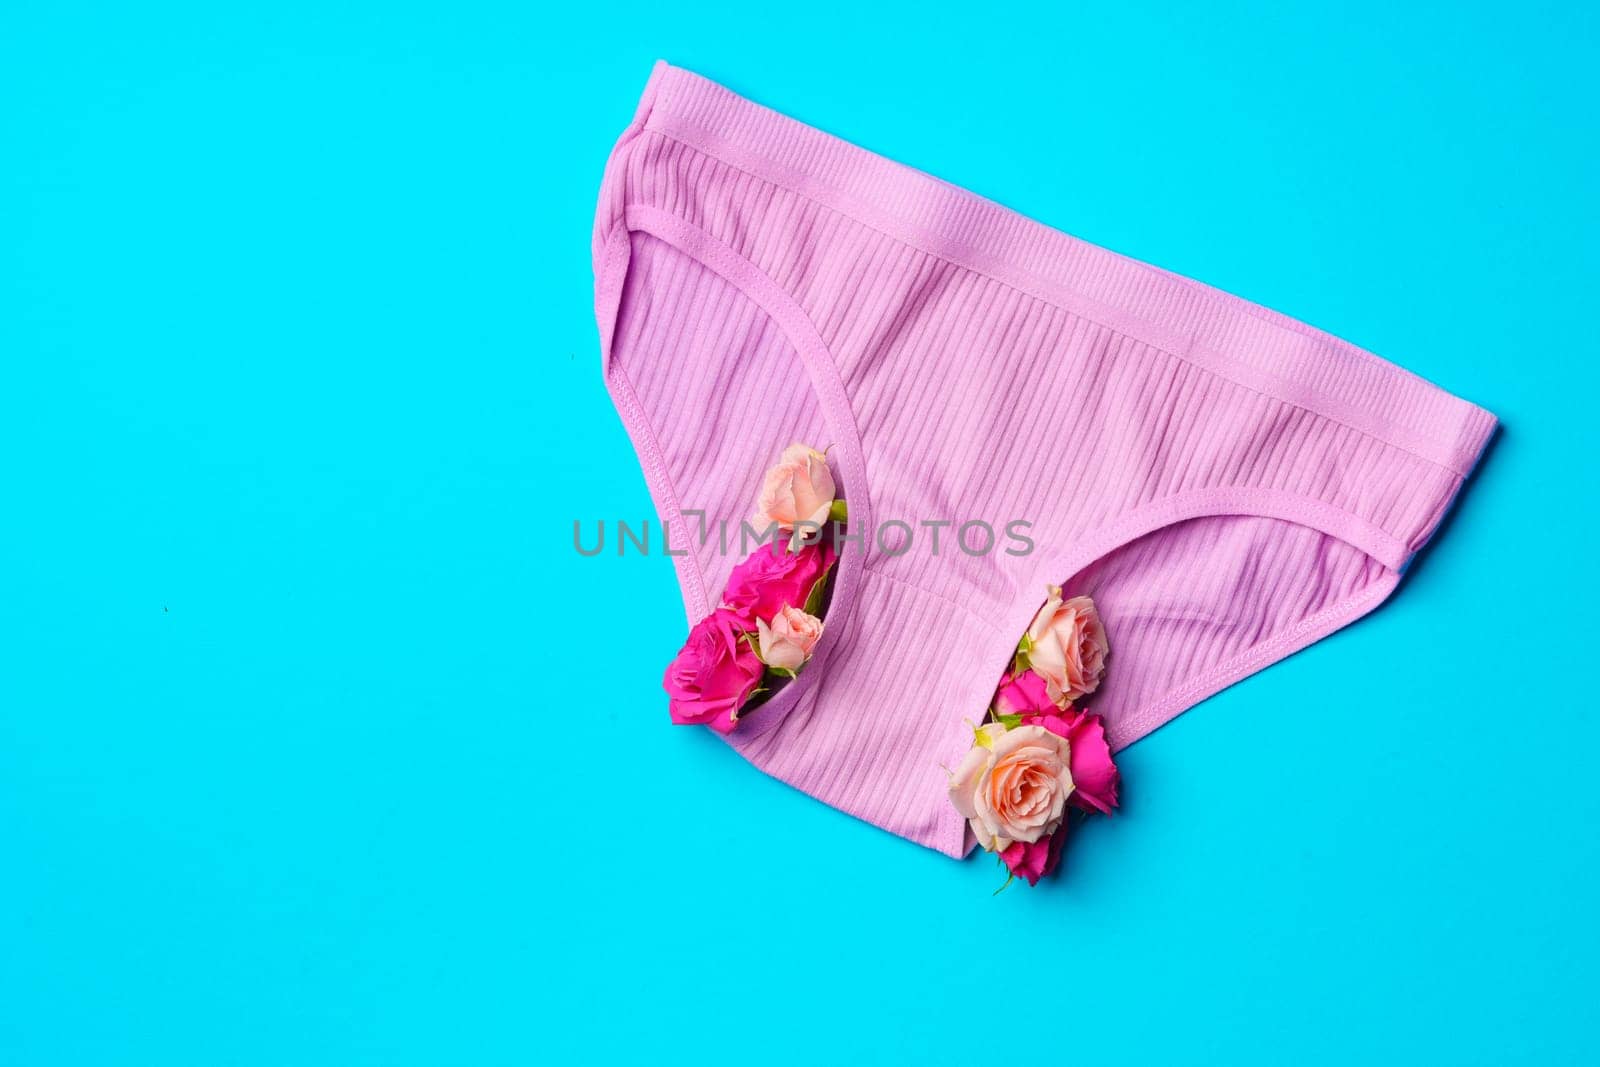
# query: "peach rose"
788,641
1013,785
1068,648
1095,778
798,490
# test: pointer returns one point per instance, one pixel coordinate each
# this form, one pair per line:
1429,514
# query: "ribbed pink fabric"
1228,484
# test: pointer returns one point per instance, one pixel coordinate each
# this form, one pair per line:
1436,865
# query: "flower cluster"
768,622
1037,757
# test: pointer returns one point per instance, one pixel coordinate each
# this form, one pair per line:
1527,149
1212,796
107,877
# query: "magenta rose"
713,674
1094,773
1023,693
774,578
1035,859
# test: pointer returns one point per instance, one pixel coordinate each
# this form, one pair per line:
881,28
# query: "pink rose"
788,641
1094,774
713,675
799,489
1035,860
1068,647
774,578
1023,693
1013,785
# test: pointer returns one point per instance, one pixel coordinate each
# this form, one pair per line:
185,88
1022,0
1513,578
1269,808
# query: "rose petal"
1022,694
1037,859
1094,772
713,674
1095,777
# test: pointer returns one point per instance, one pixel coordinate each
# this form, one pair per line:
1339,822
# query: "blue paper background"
319,745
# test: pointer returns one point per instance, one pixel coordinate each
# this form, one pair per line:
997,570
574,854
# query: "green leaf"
1020,662
1010,722
813,605
1026,644
840,511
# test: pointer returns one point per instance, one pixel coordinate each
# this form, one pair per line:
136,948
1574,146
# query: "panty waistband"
1244,342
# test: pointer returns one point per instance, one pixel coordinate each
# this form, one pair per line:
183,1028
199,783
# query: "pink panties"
1228,484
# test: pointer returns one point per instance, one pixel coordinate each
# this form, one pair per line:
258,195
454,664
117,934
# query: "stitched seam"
1255,659
636,422
824,381
913,586
1055,303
